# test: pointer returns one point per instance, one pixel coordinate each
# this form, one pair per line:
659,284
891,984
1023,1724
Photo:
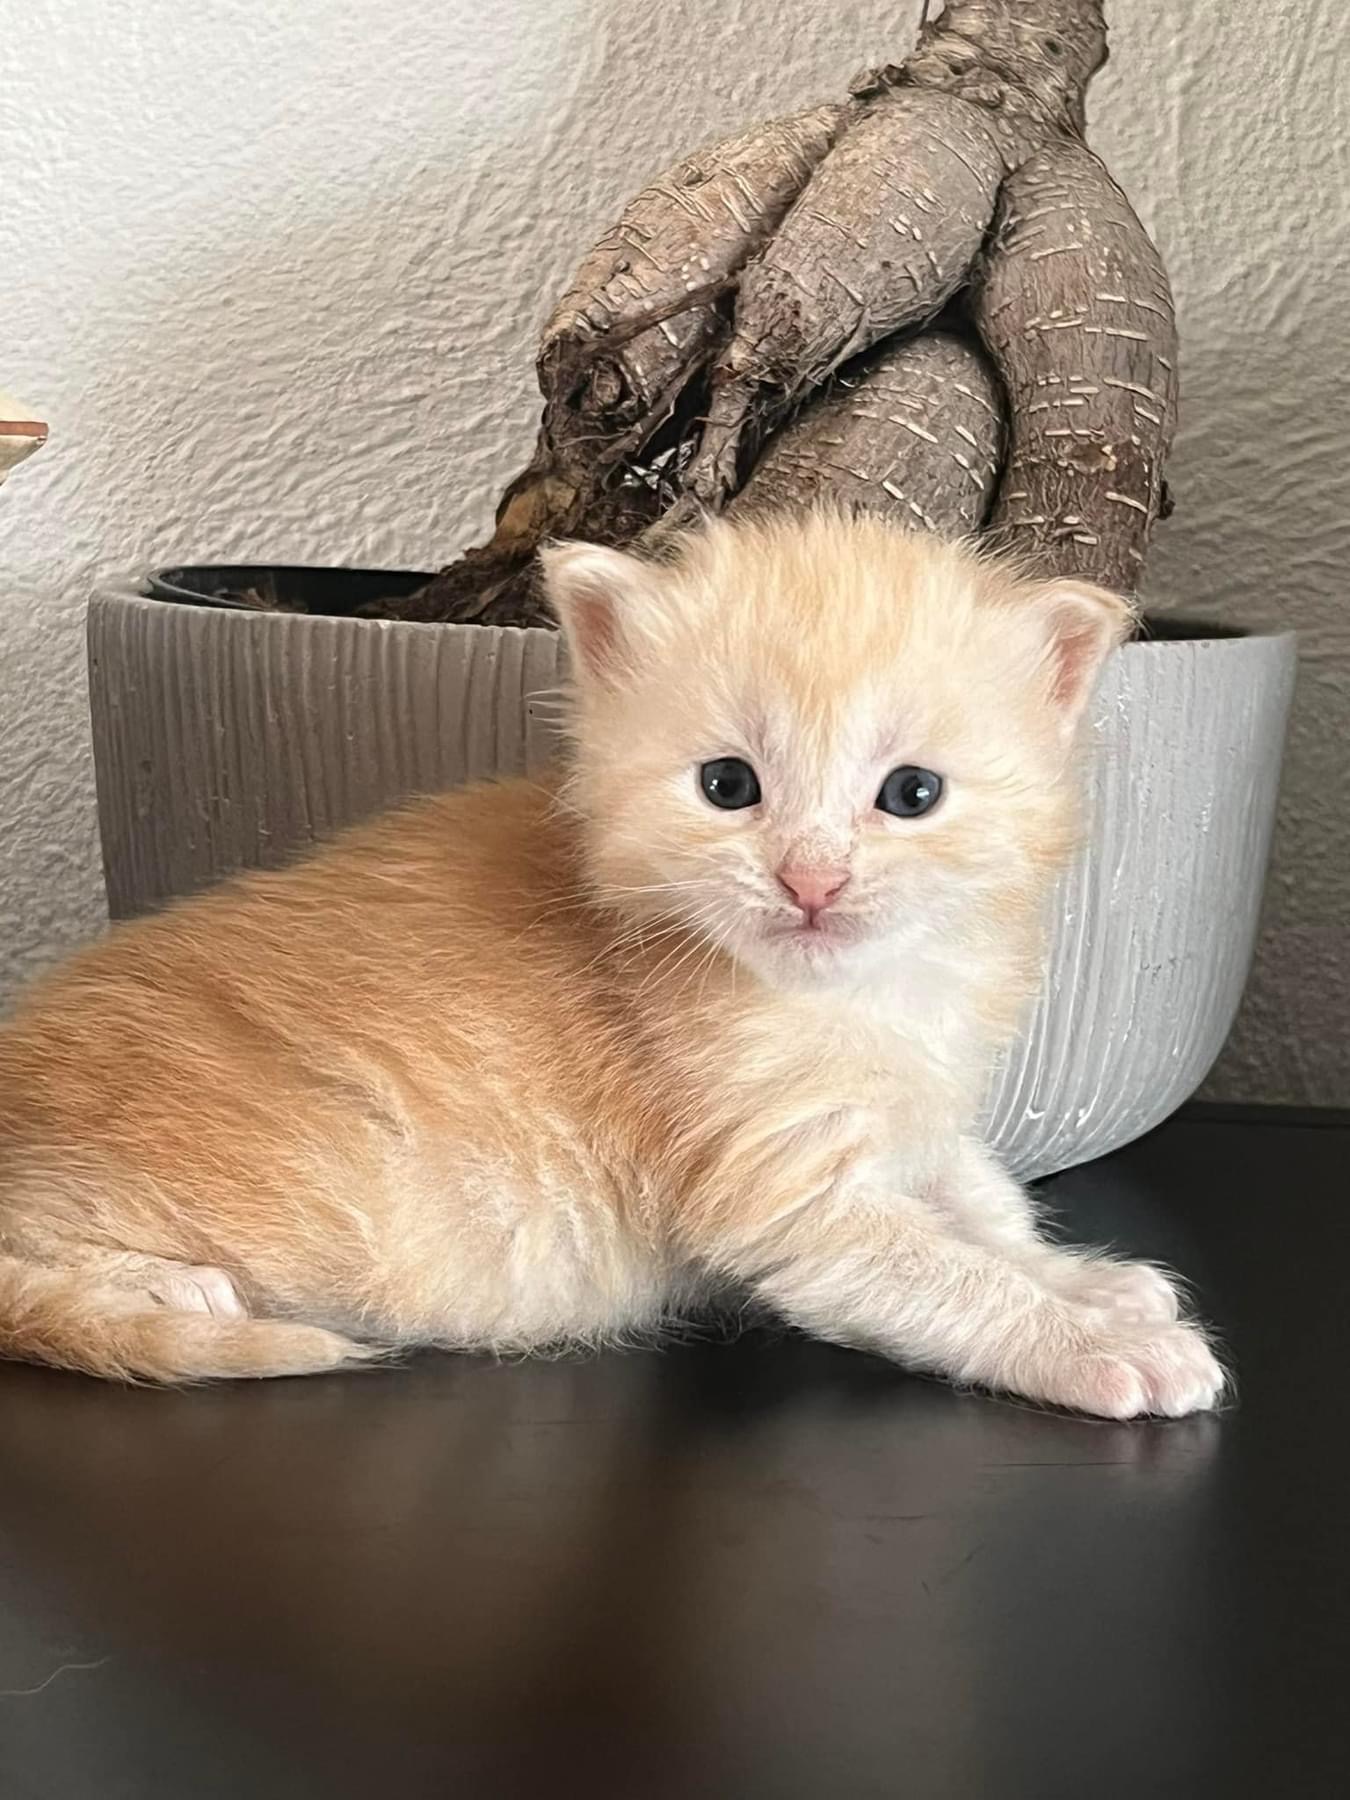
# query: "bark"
882,236
1073,303
913,431
623,350
1027,63
671,255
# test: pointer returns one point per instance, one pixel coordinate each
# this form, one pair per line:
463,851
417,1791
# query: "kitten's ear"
598,595
1084,624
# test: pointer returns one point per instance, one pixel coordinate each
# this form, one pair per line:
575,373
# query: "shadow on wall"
1261,539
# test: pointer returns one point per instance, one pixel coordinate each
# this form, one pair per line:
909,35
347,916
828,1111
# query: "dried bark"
670,256
1027,63
913,431
1073,303
883,234
619,353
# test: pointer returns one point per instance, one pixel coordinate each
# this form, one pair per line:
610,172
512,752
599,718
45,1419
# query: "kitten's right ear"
596,593
1084,624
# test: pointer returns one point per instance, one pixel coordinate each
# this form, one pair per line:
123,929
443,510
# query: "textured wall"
272,273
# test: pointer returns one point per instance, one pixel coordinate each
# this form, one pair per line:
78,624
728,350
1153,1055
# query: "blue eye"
730,783
908,793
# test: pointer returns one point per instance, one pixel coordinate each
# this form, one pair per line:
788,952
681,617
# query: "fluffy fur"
519,1067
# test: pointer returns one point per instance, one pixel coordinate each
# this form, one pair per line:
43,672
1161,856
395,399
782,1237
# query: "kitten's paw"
1164,1371
197,1287
1135,1293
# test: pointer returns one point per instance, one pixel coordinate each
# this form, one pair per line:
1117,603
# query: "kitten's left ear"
1084,624
599,596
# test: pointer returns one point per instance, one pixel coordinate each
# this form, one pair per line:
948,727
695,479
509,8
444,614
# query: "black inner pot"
1181,628
349,593
278,587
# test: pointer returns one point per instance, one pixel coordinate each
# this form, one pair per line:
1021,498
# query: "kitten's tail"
67,1318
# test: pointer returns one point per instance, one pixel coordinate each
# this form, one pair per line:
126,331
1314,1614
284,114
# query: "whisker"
672,958
656,887
670,968
720,939
639,937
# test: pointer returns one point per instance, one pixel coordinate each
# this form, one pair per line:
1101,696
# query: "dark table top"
761,1568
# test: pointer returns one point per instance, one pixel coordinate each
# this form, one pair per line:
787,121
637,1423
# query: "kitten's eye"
730,783
908,793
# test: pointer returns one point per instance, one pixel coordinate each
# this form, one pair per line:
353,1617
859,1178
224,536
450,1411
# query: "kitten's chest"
866,1067
903,1034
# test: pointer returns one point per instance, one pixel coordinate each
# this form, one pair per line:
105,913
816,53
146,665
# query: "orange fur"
521,1066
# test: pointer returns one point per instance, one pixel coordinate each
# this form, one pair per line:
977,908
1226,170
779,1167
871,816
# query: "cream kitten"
514,1068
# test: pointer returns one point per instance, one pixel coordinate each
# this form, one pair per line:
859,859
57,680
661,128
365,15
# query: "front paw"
1114,1372
1133,1293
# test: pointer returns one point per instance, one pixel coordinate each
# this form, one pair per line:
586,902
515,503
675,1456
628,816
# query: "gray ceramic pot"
227,739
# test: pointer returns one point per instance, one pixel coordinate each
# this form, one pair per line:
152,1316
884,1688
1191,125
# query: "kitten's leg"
986,1206
889,1277
134,1317
142,1279
186,1287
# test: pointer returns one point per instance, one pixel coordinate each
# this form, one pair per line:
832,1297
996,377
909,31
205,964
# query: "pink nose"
813,889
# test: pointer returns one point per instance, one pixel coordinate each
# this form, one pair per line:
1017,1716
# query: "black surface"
761,1568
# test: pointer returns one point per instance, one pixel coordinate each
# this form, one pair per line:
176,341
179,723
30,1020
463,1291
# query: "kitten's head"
820,741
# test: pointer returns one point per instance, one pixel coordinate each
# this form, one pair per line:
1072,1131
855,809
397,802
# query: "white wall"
273,273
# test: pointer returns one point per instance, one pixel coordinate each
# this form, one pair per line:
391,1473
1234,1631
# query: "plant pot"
227,739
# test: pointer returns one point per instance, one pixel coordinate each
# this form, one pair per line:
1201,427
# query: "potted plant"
992,349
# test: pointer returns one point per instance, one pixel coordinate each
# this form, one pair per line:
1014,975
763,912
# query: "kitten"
515,1067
